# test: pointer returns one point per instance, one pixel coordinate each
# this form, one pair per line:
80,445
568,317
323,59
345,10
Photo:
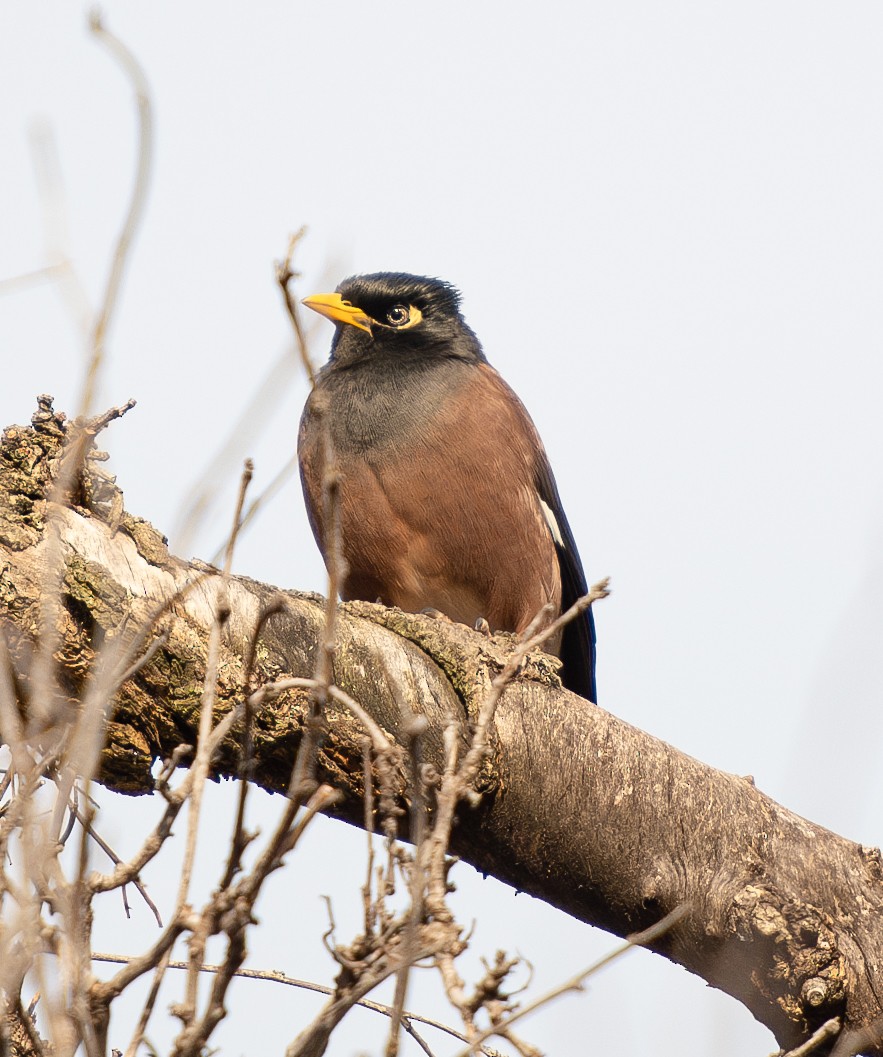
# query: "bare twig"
368,908
252,418
200,771
240,838
27,1021
245,481
153,957
148,1007
127,872
47,171
312,1041
336,564
532,640
25,279
261,500
116,860
414,727
136,666
231,912
828,1030
284,274
257,504
251,421
274,976
190,790
137,77
576,983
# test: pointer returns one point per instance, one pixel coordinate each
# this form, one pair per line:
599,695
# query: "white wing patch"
552,522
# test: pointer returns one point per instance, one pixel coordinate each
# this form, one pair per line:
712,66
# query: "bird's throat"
379,409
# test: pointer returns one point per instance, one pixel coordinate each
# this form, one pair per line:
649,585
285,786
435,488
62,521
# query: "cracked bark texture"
578,808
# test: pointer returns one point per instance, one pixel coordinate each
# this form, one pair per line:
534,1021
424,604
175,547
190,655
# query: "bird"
447,501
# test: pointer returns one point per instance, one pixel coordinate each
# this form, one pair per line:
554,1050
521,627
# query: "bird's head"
397,315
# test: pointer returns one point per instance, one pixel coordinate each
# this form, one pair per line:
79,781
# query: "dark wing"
578,642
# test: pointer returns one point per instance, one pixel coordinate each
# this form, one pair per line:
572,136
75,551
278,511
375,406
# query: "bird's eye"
398,316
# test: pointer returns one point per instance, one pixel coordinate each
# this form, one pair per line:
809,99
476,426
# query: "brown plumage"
447,500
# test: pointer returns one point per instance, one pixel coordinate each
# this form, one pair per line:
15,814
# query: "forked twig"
117,861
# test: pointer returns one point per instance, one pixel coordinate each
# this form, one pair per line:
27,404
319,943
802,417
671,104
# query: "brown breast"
451,520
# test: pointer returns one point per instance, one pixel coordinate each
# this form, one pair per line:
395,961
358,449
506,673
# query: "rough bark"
578,808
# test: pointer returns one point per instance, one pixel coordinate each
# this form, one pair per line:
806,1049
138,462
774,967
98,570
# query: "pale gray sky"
666,222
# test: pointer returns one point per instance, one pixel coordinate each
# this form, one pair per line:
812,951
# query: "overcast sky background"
666,222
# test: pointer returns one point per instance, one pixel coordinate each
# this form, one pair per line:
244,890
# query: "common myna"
447,500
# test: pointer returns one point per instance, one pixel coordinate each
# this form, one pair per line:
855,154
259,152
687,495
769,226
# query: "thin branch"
414,727
47,703
138,80
50,187
241,839
32,278
104,991
286,837
145,658
531,641
261,500
27,1022
273,976
334,560
245,481
47,171
829,1030
369,912
251,422
148,1007
127,872
284,274
312,1040
200,770
575,983
117,861
231,912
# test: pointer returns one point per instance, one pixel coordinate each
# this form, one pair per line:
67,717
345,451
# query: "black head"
392,314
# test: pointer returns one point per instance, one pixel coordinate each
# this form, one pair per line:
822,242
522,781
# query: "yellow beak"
333,307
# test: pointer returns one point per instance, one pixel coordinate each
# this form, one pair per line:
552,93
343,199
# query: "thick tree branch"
577,807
